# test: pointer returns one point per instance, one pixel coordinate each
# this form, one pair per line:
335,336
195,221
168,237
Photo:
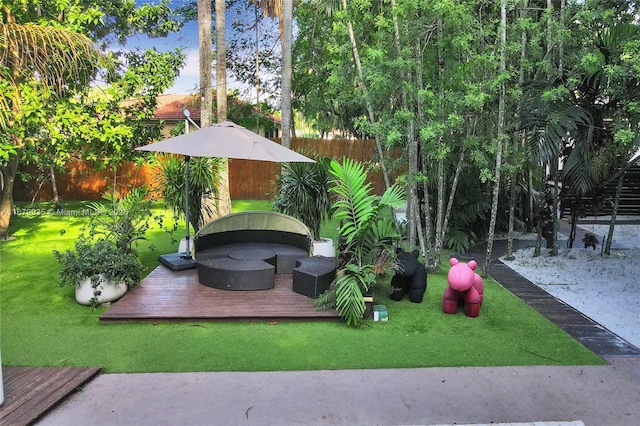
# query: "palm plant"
552,121
366,240
303,192
122,220
204,181
581,118
48,59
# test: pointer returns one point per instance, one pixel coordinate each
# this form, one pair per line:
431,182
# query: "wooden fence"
248,180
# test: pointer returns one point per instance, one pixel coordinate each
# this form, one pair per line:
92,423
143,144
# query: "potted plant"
367,241
303,192
122,220
105,264
100,271
204,181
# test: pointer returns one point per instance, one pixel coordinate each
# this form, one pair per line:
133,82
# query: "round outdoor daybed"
243,251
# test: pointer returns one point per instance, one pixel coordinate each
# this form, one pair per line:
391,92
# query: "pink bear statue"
465,288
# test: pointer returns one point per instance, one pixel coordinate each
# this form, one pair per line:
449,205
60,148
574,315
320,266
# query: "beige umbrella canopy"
224,140
227,140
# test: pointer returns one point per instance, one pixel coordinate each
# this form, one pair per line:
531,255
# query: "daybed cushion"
312,276
286,255
232,274
254,226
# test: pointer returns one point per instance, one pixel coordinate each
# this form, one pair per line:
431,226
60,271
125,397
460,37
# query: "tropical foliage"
498,93
49,58
303,192
501,96
123,221
204,182
367,241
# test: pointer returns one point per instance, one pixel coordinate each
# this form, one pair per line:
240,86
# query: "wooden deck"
166,295
592,335
32,391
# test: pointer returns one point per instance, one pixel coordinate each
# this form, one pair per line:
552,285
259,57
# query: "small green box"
380,313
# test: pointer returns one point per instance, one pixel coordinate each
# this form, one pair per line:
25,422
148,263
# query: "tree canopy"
456,89
64,82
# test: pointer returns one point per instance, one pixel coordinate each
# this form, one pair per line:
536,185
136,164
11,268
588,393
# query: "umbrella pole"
186,203
182,260
187,117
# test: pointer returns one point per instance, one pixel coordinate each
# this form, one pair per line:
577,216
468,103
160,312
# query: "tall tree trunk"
432,262
501,134
206,95
204,49
556,203
556,184
614,213
529,171
425,236
512,208
542,204
452,193
54,187
412,144
221,62
6,200
257,76
223,203
287,113
439,231
517,136
365,93
422,236
530,196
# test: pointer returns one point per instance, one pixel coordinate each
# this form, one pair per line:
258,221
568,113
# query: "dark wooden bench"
313,275
235,274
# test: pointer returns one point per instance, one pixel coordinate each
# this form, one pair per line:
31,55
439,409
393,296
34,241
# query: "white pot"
109,291
324,247
182,247
400,214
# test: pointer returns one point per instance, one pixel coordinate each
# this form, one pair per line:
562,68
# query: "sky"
187,40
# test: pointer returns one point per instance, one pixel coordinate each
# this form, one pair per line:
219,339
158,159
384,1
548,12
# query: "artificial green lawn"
42,325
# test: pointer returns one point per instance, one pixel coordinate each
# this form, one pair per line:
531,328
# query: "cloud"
192,64
189,79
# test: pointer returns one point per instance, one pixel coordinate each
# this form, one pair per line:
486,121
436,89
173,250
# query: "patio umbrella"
224,140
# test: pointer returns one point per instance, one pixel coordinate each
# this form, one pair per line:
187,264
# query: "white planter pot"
400,214
182,247
324,247
109,291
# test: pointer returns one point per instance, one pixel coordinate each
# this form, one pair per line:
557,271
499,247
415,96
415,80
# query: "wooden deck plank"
166,295
582,328
32,391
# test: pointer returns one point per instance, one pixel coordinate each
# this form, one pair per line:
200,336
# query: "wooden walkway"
592,335
166,295
32,391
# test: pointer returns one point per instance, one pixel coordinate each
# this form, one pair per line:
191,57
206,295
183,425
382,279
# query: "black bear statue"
410,277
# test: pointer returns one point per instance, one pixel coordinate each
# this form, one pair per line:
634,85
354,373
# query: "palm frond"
56,56
353,206
349,298
302,192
